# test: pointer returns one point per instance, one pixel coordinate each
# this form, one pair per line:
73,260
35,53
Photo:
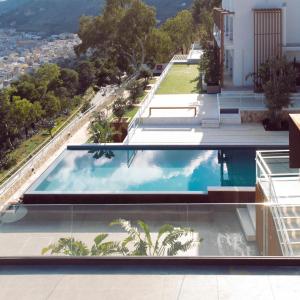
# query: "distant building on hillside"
249,32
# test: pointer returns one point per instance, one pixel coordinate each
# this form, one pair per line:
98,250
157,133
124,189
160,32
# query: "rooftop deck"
229,135
149,282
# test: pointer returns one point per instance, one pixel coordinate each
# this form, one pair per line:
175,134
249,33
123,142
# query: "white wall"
293,21
243,32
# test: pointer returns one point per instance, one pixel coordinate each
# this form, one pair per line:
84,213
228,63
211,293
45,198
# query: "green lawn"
129,113
181,79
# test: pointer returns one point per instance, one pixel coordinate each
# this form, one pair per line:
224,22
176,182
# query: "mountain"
9,5
57,16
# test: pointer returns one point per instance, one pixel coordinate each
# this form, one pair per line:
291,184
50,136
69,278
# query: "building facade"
249,32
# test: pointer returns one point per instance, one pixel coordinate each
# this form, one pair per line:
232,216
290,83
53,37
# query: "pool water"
117,171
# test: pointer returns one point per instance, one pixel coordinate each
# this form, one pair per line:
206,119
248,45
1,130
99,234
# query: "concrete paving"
233,135
206,108
151,283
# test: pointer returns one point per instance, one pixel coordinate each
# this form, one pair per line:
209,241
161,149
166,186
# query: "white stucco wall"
243,32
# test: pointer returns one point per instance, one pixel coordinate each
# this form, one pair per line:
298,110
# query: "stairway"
289,216
232,119
210,123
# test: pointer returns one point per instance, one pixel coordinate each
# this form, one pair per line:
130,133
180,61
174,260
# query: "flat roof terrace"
181,109
227,135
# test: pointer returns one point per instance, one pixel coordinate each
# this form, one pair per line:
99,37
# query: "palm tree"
168,241
71,247
139,242
67,246
100,129
101,248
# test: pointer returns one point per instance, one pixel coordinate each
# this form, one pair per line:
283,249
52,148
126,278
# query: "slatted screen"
267,35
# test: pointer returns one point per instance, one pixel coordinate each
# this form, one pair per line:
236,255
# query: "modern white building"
249,32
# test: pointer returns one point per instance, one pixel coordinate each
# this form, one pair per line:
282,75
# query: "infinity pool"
117,171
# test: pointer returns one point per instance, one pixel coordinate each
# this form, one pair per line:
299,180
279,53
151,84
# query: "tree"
200,8
210,65
159,47
100,129
180,30
25,113
119,108
136,91
51,105
277,78
146,74
49,124
87,74
8,128
202,12
133,30
26,88
76,100
121,32
6,160
170,240
47,78
70,80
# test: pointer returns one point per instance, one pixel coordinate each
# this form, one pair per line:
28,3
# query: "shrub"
277,78
85,107
119,108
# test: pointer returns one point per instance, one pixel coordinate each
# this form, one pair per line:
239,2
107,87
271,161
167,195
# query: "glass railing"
156,230
279,182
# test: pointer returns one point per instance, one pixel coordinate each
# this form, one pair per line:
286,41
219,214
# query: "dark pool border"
174,147
229,261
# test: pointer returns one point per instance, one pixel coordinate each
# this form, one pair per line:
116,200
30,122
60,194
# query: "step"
210,123
290,211
231,119
295,246
292,223
252,214
294,233
246,223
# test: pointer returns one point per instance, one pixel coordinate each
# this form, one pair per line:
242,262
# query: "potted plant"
277,79
210,65
120,124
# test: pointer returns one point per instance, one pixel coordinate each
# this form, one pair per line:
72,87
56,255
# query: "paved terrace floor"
206,106
231,135
149,283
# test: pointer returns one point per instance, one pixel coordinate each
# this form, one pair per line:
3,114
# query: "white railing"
219,108
145,104
265,178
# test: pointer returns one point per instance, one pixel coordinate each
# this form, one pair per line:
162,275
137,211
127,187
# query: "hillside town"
22,52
